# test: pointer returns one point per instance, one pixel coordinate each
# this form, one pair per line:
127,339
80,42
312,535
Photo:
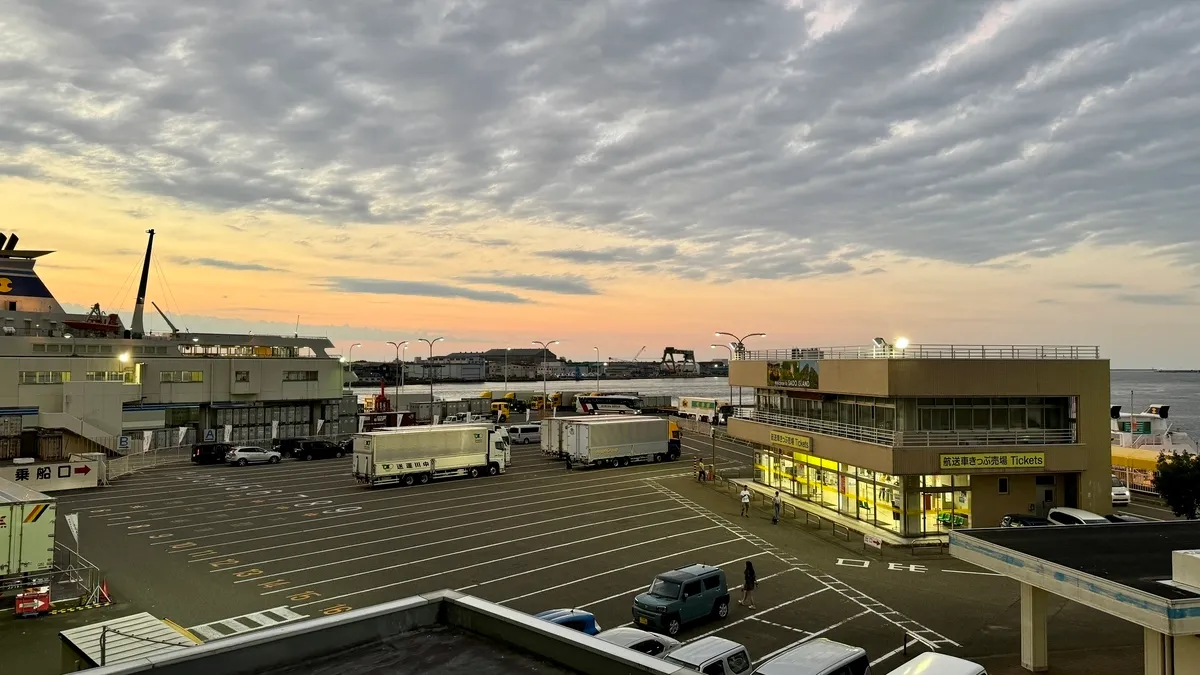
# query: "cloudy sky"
619,173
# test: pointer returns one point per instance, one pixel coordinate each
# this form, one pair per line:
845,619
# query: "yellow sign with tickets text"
993,460
793,441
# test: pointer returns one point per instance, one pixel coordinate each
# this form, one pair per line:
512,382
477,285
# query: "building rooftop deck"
926,351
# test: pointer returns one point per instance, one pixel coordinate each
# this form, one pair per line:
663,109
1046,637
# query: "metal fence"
884,437
929,351
75,579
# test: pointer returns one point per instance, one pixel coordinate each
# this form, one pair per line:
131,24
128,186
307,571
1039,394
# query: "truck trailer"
26,534
619,442
420,454
554,430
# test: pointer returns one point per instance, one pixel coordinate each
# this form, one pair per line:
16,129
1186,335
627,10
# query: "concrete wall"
867,377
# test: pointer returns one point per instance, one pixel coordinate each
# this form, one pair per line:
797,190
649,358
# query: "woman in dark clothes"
748,587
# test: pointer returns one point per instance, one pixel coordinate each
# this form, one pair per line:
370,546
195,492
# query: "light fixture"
123,357
902,343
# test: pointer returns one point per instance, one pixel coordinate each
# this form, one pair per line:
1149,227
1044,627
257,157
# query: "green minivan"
682,596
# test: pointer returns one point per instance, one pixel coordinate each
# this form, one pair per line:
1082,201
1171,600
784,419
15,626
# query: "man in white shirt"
745,501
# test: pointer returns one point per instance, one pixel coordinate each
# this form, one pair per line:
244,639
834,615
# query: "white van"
818,657
933,663
712,656
524,434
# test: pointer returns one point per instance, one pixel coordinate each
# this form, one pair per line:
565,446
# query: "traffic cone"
104,591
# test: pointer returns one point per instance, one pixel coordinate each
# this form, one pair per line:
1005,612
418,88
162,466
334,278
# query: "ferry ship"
72,383
1138,439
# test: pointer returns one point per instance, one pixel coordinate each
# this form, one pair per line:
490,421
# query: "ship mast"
136,329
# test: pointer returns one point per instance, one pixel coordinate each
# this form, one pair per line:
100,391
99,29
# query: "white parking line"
440,541
124,492
810,636
890,654
618,569
469,550
757,614
1138,515
643,587
496,560
406,503
304,542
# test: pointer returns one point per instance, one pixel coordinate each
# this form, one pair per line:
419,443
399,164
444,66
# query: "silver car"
642,641
247,454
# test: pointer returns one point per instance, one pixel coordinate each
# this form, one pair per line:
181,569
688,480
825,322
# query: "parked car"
936,663
682,596
648,643
575,619
1022,520
712,655
1062,515
818,657
310,450
243,455
210,453
525,433
286,446
1120,492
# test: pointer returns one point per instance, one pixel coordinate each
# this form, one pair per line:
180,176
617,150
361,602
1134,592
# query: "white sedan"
243,455
642,641
1120,492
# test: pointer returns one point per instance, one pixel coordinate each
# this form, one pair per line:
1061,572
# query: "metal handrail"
926,351
919,439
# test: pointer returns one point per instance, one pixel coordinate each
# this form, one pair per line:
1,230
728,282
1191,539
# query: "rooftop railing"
930,351
914,439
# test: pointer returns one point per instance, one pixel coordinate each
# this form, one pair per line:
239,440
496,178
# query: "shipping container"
554,429
419,454
11,425
619,442
10,447
26,531
50,448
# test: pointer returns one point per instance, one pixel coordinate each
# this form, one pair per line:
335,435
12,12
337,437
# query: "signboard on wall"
805,374
793,441
54,476
992,460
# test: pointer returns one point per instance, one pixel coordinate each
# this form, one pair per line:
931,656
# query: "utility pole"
399,367
429,367
740,348
597,369
545,396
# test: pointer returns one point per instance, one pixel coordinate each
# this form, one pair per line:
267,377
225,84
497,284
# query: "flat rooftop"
441,649
927,351
1137,555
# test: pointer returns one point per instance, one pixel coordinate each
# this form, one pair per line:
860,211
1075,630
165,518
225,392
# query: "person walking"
750,583
745,501
701,473
778,507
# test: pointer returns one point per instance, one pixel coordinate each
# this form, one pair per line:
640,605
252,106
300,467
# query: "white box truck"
26,532
554,430
618,442
419,454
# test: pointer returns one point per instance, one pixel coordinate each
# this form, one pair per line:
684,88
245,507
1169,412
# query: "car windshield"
664,588
1117,482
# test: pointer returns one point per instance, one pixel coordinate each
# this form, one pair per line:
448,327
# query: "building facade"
930,438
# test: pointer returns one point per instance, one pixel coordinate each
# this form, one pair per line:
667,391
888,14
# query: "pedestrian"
700,474
745,501
750,583
778,507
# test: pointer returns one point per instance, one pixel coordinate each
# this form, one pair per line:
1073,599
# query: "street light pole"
350,359
597,369
730,348
740,348
545,397
399,370
429,367
505,372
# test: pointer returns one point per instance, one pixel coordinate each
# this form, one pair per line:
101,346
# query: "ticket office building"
920,446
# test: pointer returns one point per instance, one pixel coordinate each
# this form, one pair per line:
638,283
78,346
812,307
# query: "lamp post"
739,350
505,372
399,366
597,369
545,399
350,362
730,348
429,367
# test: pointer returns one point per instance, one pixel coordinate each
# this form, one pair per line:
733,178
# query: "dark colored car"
286,446
682,596
308,450
575,619
210,453
1022,520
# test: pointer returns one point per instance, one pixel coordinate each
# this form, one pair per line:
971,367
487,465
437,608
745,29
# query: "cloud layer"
764,139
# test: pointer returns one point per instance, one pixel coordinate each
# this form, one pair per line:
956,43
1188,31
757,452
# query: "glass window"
691,588
1034,417
714,669
241,376
712,582
739,663
982,418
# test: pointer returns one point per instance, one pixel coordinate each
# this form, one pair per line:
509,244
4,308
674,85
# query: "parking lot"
225,550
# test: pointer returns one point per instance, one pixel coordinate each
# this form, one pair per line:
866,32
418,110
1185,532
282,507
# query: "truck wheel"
658,457
409,479
493,469
473,472
423,478
624,461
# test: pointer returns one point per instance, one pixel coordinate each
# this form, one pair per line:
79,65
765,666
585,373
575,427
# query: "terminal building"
925,439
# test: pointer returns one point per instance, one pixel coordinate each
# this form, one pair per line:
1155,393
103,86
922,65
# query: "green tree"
1177,481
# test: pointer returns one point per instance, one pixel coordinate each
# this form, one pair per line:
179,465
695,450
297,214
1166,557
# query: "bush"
1177,481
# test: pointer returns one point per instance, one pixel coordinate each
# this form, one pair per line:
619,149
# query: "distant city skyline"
613,175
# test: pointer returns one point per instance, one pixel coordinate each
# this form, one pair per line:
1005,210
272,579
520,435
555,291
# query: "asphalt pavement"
226,550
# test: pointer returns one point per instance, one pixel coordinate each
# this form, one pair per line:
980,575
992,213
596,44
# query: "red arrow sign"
85,469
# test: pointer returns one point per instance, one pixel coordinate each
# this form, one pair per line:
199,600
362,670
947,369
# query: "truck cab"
501,411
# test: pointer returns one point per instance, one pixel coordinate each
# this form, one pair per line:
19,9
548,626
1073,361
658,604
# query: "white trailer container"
554,431
26,531
618,442
419,454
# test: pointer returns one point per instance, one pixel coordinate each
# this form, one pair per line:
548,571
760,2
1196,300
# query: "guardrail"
925,351
885,437
912,439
